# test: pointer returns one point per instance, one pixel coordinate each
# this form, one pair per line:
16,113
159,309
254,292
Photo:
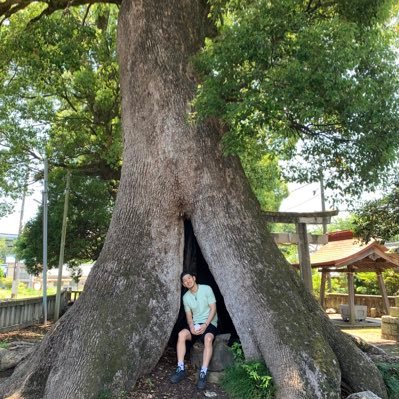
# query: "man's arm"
190,323
211,315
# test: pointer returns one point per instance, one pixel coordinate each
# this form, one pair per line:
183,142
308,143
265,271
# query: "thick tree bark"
172,170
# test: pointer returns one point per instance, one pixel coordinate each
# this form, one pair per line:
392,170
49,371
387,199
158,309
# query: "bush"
6,283
247,379
390,374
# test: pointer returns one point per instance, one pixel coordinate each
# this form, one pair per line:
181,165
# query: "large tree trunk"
172,170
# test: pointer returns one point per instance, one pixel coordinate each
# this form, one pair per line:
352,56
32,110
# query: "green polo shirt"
198,304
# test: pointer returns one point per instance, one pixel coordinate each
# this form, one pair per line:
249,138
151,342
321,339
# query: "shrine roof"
343,249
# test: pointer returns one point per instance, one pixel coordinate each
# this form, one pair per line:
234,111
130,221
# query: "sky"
302,198
9,224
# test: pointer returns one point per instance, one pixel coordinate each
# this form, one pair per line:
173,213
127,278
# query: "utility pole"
323,202
45,213
323,208
15,280
62,248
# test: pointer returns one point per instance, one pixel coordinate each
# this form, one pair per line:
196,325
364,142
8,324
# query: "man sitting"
200,307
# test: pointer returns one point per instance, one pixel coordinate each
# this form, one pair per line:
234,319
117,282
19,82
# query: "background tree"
173,173
379,219
4,250
90,208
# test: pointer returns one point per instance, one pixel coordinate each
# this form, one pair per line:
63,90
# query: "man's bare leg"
208,349
179,374
184,335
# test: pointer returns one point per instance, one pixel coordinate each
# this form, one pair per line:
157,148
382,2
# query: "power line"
302,203
300,187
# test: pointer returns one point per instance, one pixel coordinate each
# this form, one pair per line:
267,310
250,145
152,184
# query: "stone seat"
222,355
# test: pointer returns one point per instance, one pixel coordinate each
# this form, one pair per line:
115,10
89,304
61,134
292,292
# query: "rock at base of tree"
222,356
384,359
215,377
14,354
363,395
210,394
367,348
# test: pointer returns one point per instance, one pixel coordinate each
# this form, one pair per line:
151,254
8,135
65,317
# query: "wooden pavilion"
345,253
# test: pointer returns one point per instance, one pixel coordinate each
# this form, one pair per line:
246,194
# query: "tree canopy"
313,82
60,98
174,172
303,86
309,83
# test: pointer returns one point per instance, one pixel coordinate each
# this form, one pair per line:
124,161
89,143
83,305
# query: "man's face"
188,281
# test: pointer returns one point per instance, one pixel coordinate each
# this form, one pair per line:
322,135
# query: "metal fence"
19,313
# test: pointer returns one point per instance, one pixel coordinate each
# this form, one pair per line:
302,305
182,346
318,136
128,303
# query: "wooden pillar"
324,276
329,283
351,297
304,256
383,291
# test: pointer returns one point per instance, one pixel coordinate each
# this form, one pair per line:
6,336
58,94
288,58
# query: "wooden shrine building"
345,253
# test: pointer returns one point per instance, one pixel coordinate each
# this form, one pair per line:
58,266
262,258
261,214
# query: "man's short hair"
185,274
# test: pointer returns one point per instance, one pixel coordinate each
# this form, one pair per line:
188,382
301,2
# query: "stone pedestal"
360,312
390,325
222,356
394,311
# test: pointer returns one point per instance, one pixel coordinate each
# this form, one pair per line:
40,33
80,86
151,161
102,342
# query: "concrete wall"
371,301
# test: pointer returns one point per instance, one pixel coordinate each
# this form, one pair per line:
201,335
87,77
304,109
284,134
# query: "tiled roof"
341,250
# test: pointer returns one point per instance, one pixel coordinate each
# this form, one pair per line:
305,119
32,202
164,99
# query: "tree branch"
11,7
86,14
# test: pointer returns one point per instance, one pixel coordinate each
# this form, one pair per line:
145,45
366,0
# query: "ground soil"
155,385
30,334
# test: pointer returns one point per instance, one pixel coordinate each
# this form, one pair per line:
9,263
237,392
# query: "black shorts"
210,329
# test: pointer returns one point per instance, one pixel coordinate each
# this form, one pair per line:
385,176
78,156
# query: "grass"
23,290
25,293
3,344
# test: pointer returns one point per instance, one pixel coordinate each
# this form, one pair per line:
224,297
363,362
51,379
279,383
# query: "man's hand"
192,330
202,329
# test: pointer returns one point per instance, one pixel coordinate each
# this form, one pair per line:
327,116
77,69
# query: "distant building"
67,280
10,238
9,266
52,274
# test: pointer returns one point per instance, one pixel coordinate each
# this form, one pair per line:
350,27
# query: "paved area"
369,330
370,322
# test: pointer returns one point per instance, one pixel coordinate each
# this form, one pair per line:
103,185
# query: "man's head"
187,279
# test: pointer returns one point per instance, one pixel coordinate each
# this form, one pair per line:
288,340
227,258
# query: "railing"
19,313
72,296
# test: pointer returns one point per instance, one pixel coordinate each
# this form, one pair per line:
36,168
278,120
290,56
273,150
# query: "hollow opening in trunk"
194,263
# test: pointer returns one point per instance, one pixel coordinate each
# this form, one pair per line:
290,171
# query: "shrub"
390,374
247,379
